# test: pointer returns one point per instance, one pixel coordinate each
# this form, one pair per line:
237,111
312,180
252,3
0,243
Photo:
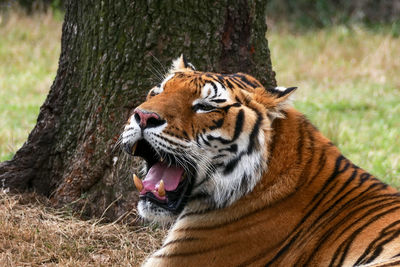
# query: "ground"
32,234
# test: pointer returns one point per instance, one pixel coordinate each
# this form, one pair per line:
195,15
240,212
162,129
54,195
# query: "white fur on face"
153,213
226,186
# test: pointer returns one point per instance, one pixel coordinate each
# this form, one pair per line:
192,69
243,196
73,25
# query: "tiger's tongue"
170,175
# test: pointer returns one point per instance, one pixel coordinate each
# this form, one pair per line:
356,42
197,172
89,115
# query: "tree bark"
110,53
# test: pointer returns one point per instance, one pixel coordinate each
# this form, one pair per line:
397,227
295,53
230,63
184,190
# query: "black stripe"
185,134
232,148
220,225
229,84
244,79
353,202
334,205
339,209
359,199
237,131
394,263
192,253
180,240
340,190
220,77
321,163
343,249
254,133
238,83
217,124
168,148
169,141
215,88
231,165
337,170
307,168
202,182
219,156
381,198
263,254
226,108
333,228
334,174
218,100
283,250
238,100
204,140
200,195
199,212
364,177
375,248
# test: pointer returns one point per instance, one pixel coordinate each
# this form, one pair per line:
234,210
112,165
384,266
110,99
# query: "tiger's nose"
147,119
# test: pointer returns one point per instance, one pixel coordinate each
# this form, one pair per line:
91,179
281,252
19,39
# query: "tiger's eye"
203,107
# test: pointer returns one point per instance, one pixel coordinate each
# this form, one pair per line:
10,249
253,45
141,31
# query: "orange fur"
312,206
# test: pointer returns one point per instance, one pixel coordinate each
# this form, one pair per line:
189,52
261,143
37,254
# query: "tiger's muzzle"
167,183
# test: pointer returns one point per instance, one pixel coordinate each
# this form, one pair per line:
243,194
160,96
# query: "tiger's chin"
151,212
164,191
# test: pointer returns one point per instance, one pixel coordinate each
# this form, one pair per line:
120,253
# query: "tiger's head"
204,137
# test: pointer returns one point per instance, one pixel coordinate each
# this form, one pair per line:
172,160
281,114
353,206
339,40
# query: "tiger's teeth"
138,183
134,148
161,159
161,190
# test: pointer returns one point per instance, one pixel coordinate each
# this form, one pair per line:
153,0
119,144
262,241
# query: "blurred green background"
343,56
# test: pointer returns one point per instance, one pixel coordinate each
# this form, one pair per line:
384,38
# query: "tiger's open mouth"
166,183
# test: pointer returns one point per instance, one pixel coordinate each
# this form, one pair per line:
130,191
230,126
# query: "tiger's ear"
282,98
282,93
181,63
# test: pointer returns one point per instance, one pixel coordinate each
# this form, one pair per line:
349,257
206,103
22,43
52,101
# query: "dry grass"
33,235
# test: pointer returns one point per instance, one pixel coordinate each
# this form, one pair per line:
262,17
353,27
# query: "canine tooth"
138,183
134,148
161,190
161,159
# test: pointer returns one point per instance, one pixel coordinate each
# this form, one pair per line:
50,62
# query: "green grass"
349,87
29,50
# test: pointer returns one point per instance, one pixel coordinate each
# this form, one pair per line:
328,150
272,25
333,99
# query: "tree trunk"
105,69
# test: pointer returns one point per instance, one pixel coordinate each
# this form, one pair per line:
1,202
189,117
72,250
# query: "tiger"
244,179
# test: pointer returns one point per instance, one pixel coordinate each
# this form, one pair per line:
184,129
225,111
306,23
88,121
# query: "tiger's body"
266,189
